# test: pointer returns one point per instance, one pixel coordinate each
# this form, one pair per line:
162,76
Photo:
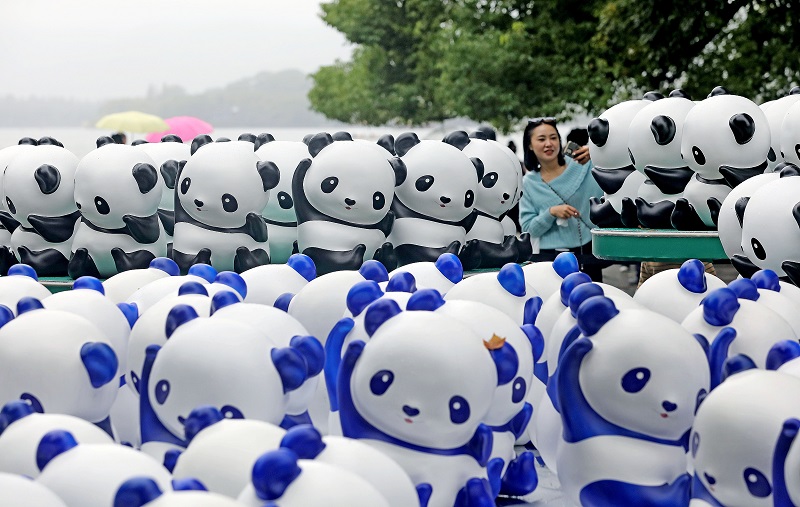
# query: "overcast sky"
100,49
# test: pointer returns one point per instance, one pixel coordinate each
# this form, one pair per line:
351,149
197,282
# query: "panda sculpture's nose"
410,411
349,201
669,406
445,199
198,203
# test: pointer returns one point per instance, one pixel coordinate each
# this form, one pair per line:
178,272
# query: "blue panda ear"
536,340
312,351
12,412
100,361
479,168
767,279
282,301
48,178
570,282
400,170
291,367
402,282
305,440
233,280
581,294
598,131
405,142
193,288
745,289
692,276
737,364
178,316
136,492
380,312
89,282
6,315
565,264
304,265
199,419
318,142
505,359
204,271
427,300
171,459
222,299
386,142
512,279
374,270
200,141
458,138
103,140
781,353
531,311
449,265
23,270
130,311
52,444
188,484
270,174
720,307
28,304
594,313
146,177
743,127
361,295
273,472
166,265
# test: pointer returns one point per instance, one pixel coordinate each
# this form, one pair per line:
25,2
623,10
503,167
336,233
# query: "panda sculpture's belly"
486,229
616,458
338,237
650,193
445,474
99,245
281,242
190,239
5,237
698,193
627,191
35,243
425,233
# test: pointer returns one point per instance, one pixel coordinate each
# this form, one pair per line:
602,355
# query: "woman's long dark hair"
528,157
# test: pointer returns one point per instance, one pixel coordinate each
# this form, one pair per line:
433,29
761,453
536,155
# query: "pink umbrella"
185,127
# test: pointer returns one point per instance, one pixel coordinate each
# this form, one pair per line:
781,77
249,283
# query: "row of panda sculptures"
245,203
281,388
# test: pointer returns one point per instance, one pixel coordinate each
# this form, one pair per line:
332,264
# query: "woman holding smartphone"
555,196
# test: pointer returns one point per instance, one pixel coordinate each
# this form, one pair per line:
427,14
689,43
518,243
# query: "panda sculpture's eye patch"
185,184
518,390
11,207
380,382
489,180
285,200
796,150
378,201
423,183
469,199
635,380
328,184
162,391
135,380
229,203
695,444
757,483
231,412
697,153
459,410
758,249
101,205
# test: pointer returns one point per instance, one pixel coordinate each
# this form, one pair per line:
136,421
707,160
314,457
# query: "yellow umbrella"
132,121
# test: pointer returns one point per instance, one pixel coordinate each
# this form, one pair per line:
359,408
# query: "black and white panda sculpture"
117,190
434,206
219,195
8,223
342,198
39,186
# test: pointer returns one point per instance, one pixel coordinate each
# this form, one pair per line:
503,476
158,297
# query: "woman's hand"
564,211
581,155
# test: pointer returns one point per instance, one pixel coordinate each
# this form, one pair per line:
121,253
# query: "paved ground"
626,277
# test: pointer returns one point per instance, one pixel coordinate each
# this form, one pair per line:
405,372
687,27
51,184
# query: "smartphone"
570,149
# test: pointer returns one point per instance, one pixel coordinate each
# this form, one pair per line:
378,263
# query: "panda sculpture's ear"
90,283
28,140
263,139
193,288
720,307
692,276
48,178
781,353
479,134
223,299
273,472
204,271
199,419
312,352
318,142
305,440
512,279
718,90
653,96
581,294
223,140
100,361
663,129
104,140
570,282
386,142
270,174
449,265
374,270
28,304
199,141
598,131
171,138
136,492
786,169
361,295
12,412
178,316
233,280
379,312
794,91
248,137
171,459
745,289
478,163
282,301
146,177
307,138
342,136
767,279
304,265
737,364
738,207
49,141
138,142
400,170
594,313
402,282
188,484
169,171
680,92
130,311
427,300
6,315
291,367
166,265
743,127
565,264
23,270
405,142
52,444
459,139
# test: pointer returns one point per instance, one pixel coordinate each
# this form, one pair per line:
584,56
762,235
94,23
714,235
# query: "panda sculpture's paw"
246,259
613,492
186,261
602,214
655,216
792,270
476,493
714,207
7,260
685,218
125,261
453,248
386,256
520,477
629,215
82,264
744,266
470,255
49,262
328,261
524,247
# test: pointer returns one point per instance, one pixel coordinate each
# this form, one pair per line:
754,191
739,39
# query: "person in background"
555,196
119,138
